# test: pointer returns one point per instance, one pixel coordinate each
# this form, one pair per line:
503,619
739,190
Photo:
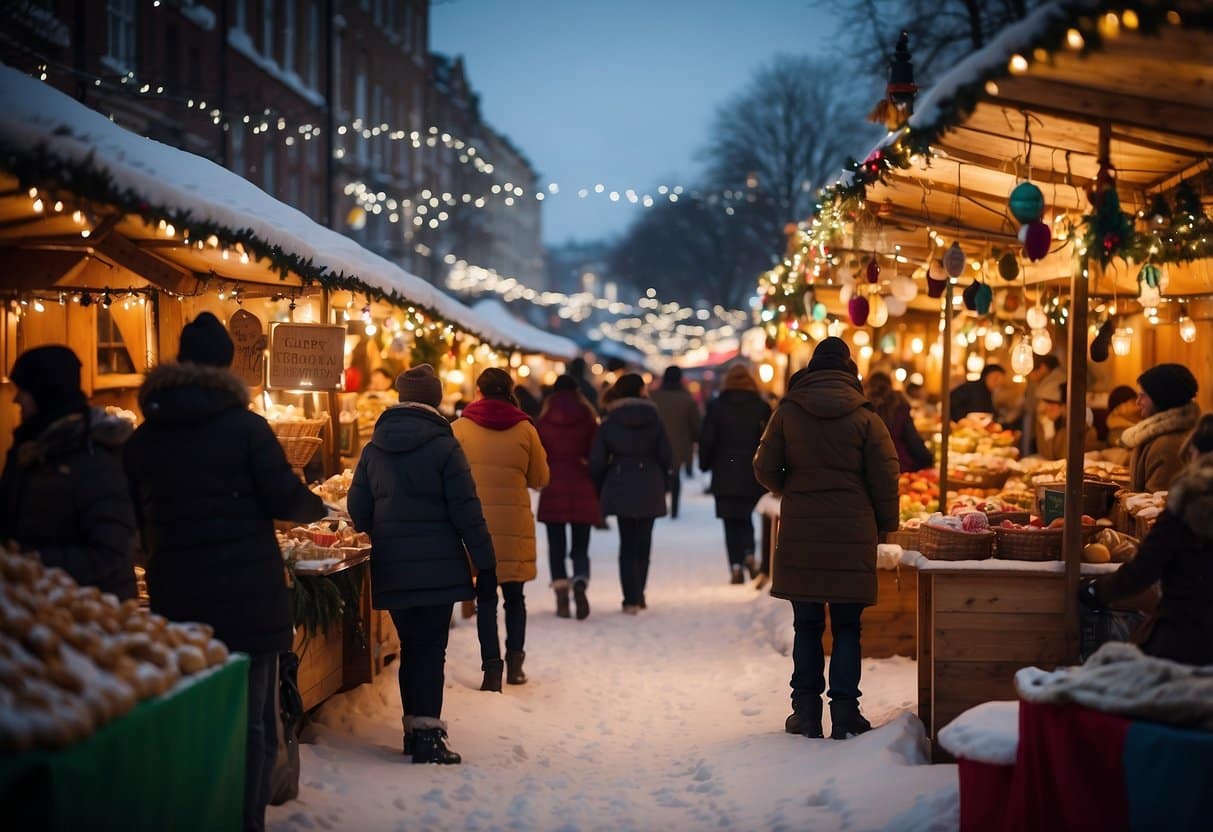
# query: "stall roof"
133,184
533,338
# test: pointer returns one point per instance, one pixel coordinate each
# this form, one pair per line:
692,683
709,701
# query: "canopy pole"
333,464
945,410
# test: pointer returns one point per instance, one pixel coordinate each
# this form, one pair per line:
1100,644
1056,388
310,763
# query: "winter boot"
580,600
847,720
408,735
561,588
751,566
737,578
492,675
805,718
513,667
429,743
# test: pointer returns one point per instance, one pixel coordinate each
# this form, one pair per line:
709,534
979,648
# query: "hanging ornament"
1036,240
904,289
1103,340
846,292
878,311
1109,230
1042,342
896,306
1159,211
936,271
1008,266
819,311
970,296
1037,317
1011,302
1187,327
1027,203
858,308
1122,341
1022,361
1149,296
994,339
954,260
1150,275
873,271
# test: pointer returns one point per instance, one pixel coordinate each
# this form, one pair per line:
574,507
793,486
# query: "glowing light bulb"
1022,360
766,372
916,346
861,338
1037,318
994,339
1042,342
1187,328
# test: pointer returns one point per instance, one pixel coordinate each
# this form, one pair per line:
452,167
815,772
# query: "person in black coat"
1178,553
63,493
977,396
630,462
413,493
209,478
732,429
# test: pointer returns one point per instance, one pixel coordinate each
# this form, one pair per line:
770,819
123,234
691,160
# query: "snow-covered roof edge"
49,137
532,337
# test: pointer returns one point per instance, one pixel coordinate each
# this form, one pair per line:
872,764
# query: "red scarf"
494,414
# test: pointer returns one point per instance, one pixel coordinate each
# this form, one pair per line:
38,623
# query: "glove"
1087,595
486,588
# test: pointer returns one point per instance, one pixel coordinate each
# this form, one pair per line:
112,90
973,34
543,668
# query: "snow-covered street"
669,720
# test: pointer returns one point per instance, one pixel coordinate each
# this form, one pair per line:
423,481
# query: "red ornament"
935,287
1036,240
873,271
858,308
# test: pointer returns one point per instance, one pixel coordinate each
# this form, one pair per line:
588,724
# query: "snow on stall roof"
36,115
924,564
523,333
987,733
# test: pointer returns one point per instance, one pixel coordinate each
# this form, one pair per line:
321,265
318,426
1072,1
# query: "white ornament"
878,311
905,289
1037,318
1042,342
895,305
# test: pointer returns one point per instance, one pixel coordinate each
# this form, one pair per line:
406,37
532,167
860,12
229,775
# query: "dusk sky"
618,92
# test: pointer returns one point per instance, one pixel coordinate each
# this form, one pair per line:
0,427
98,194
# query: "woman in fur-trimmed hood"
63,493
1178,552
1169,412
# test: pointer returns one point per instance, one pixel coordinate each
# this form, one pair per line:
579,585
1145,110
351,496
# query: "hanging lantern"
1042,342
895,305
1037,317
1187,327
994,339
1103,340
1036,240
819,311
904,289
878,312
1027,203
873,271
954,260
1022,360
1008,266
858,308
1122,341
1150,296
1150,275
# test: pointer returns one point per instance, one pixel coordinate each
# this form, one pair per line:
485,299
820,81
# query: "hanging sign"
306,357
248,336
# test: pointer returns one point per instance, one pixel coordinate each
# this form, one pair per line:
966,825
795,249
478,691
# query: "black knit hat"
495,383
831,354
204,340
1168,385
564,384
51,374
629,386
419,384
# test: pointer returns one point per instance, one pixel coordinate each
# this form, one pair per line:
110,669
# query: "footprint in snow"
437,797
751,711
465,792
520,753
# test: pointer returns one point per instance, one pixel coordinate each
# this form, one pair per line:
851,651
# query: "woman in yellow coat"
507,458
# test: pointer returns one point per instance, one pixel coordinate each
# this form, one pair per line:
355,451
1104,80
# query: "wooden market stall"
1111,238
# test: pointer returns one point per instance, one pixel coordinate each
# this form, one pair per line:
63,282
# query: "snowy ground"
669,720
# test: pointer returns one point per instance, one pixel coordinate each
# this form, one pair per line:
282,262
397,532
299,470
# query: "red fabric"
494,414
984,792
567,428
352,380
1069,772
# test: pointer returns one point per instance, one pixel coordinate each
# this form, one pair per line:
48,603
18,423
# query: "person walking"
732,429
414,495
577,370
630,461
1168,413
680,417
507,458
894,410
830,457
568,507
63,493
209,478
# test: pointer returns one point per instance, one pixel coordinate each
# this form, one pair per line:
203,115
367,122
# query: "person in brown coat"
1168,414
680,416
830,457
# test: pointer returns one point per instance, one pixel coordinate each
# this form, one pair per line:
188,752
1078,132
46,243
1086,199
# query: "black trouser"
423,635
808,656
675,490
739,538
558,549
635,547
262,748
515,623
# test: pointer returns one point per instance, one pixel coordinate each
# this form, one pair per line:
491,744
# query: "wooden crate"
321,664
385,643
890,626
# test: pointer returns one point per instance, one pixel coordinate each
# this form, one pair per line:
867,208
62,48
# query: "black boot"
492,675
847,720
513,667
805,718
581,601
737,577
561,588
407,721
751,566
429,746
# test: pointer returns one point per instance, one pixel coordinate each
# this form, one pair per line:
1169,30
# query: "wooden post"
945,406
333,463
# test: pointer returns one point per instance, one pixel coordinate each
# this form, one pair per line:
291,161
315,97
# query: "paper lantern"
1150,296
994,339
1187,329
1122,341
954,260
1042,342
1022,361
878,311
819,312
858,308
896,306
846,292
1037,318
873,271
1027,203
1036,240
1008,266
904,289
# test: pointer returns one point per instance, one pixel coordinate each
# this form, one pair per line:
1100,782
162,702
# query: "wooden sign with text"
306,357
248,336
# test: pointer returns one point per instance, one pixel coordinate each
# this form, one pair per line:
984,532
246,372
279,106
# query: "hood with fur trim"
67,435
1191,497
1175,420
175,394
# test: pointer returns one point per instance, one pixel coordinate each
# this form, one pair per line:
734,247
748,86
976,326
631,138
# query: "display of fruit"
918,494
972,435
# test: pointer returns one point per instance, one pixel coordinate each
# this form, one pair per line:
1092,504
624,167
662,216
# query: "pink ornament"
858,307
873,271
1036,240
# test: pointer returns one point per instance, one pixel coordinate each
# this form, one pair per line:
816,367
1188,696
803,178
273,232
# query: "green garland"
322,601
428,348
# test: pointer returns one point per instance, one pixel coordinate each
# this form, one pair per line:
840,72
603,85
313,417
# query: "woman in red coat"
567,426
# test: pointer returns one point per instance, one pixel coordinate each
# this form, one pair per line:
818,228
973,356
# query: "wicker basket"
990,480
1029,544
292,428
1020,517
937,543
905,538
300,449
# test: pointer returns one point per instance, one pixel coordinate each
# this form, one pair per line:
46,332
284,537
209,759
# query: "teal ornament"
1027,203
970,296
1149,275
820,312
984,298
1008,267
